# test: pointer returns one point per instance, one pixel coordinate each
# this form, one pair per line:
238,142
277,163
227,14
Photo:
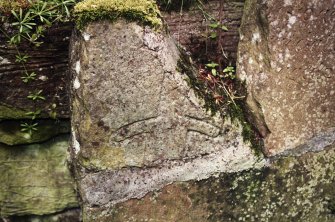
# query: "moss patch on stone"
102,158
234,111
143,11
7,5
7,112
35,179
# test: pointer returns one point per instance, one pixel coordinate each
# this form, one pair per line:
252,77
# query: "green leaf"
229,69
213,35
214,25
214,72
15,15
36,96
21,58
212,65
224,28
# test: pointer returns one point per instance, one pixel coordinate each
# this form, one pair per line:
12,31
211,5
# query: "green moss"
143,11
234,111
291,189
7,5
103,158
35,179
249,134
7,112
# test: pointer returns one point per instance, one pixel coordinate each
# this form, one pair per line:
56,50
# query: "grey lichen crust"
137,125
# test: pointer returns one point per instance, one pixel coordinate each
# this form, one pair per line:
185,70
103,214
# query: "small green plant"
219,84
29,127
21,58
33,114
36,96
28,77
213,67
229,72
31,23
214,27
24,21
28,23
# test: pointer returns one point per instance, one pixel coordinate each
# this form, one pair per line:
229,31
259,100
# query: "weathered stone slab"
49,62
35,179
286,57
137,125
11,131
297,189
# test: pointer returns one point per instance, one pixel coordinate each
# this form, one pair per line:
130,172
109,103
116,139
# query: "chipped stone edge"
130,183
315,144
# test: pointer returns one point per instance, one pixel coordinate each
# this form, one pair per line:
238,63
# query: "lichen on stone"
290,189
143,11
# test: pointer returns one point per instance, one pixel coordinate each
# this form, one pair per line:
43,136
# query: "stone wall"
35,177
136,125
144,148
290,189
50,62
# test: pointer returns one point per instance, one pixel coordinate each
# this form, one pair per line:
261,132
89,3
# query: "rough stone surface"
286,57
137,125
35,179
291,189
11,134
